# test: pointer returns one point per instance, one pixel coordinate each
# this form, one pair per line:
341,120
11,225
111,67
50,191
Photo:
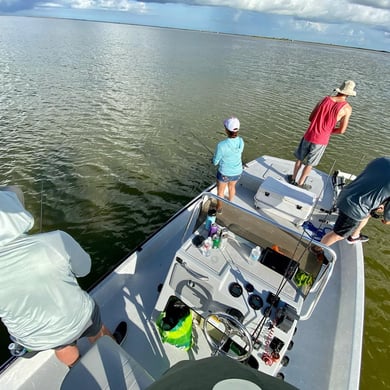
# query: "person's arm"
79,259
217,155
345,112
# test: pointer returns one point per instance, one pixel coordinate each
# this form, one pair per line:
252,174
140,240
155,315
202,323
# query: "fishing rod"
41,216
203,144
209,150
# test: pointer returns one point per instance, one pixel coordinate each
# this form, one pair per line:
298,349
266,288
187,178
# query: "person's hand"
380,209
385,222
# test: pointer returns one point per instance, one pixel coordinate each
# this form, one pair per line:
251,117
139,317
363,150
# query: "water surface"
108,129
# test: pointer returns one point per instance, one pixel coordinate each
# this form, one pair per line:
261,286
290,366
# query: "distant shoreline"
203,31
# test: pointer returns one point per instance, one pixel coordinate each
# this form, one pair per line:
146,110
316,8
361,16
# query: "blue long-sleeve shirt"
227,156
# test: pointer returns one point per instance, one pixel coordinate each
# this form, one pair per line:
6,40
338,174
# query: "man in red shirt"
330,116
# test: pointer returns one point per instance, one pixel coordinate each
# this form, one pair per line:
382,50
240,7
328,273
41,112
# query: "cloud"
371,13
368,12
304,25
17,5
119,5
9,6
384,4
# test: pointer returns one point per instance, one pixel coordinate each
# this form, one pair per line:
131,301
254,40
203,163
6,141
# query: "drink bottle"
213,229
206,247
16,349
255,253
210,219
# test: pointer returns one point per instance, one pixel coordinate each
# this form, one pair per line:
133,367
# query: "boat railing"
190,222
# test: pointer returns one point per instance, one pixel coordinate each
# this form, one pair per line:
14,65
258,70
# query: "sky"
356,23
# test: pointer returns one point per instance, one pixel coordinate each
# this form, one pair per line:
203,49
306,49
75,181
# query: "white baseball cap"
232,124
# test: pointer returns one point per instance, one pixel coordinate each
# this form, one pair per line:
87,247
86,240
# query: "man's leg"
305,173
363,222
102,332
344,225
297,167
68,355
330,238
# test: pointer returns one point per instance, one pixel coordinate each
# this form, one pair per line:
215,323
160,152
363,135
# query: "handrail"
200,201
195,274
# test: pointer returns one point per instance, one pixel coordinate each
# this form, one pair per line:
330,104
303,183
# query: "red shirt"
323,122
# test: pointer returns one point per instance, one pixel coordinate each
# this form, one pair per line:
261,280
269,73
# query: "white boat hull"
327,346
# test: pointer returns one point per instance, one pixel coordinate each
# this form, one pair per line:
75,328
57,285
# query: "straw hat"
347,88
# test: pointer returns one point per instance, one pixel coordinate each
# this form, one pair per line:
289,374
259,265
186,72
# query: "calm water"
108,127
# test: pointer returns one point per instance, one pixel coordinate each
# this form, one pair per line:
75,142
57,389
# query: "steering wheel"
232,327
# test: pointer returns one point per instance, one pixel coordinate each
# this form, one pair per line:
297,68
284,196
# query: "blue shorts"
309,151
344,225
226,179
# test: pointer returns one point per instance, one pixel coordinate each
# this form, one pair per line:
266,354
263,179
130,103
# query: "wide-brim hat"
232,124
347,88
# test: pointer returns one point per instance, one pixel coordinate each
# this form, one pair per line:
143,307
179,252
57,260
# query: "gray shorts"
344,225
310,152
92,330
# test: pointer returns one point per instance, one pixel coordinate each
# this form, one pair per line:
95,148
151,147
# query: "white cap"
232,124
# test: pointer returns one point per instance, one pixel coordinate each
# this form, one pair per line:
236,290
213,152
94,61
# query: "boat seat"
106,365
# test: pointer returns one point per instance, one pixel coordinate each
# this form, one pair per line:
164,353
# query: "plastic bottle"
255,253
213,229
206,246
216,240
223,238
210,219
16,349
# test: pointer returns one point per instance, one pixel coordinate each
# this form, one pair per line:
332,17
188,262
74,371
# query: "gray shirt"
41,303
368,191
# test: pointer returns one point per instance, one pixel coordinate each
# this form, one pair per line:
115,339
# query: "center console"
260,294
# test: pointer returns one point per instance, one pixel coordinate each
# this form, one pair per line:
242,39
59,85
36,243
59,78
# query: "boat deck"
133,290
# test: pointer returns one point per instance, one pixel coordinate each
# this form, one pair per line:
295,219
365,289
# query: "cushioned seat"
106,366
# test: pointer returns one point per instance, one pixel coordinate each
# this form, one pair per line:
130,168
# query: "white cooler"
285,200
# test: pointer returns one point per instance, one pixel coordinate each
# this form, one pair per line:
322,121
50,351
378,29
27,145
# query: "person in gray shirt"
41,302
368,195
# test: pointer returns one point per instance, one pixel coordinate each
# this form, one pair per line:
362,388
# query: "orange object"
276,249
